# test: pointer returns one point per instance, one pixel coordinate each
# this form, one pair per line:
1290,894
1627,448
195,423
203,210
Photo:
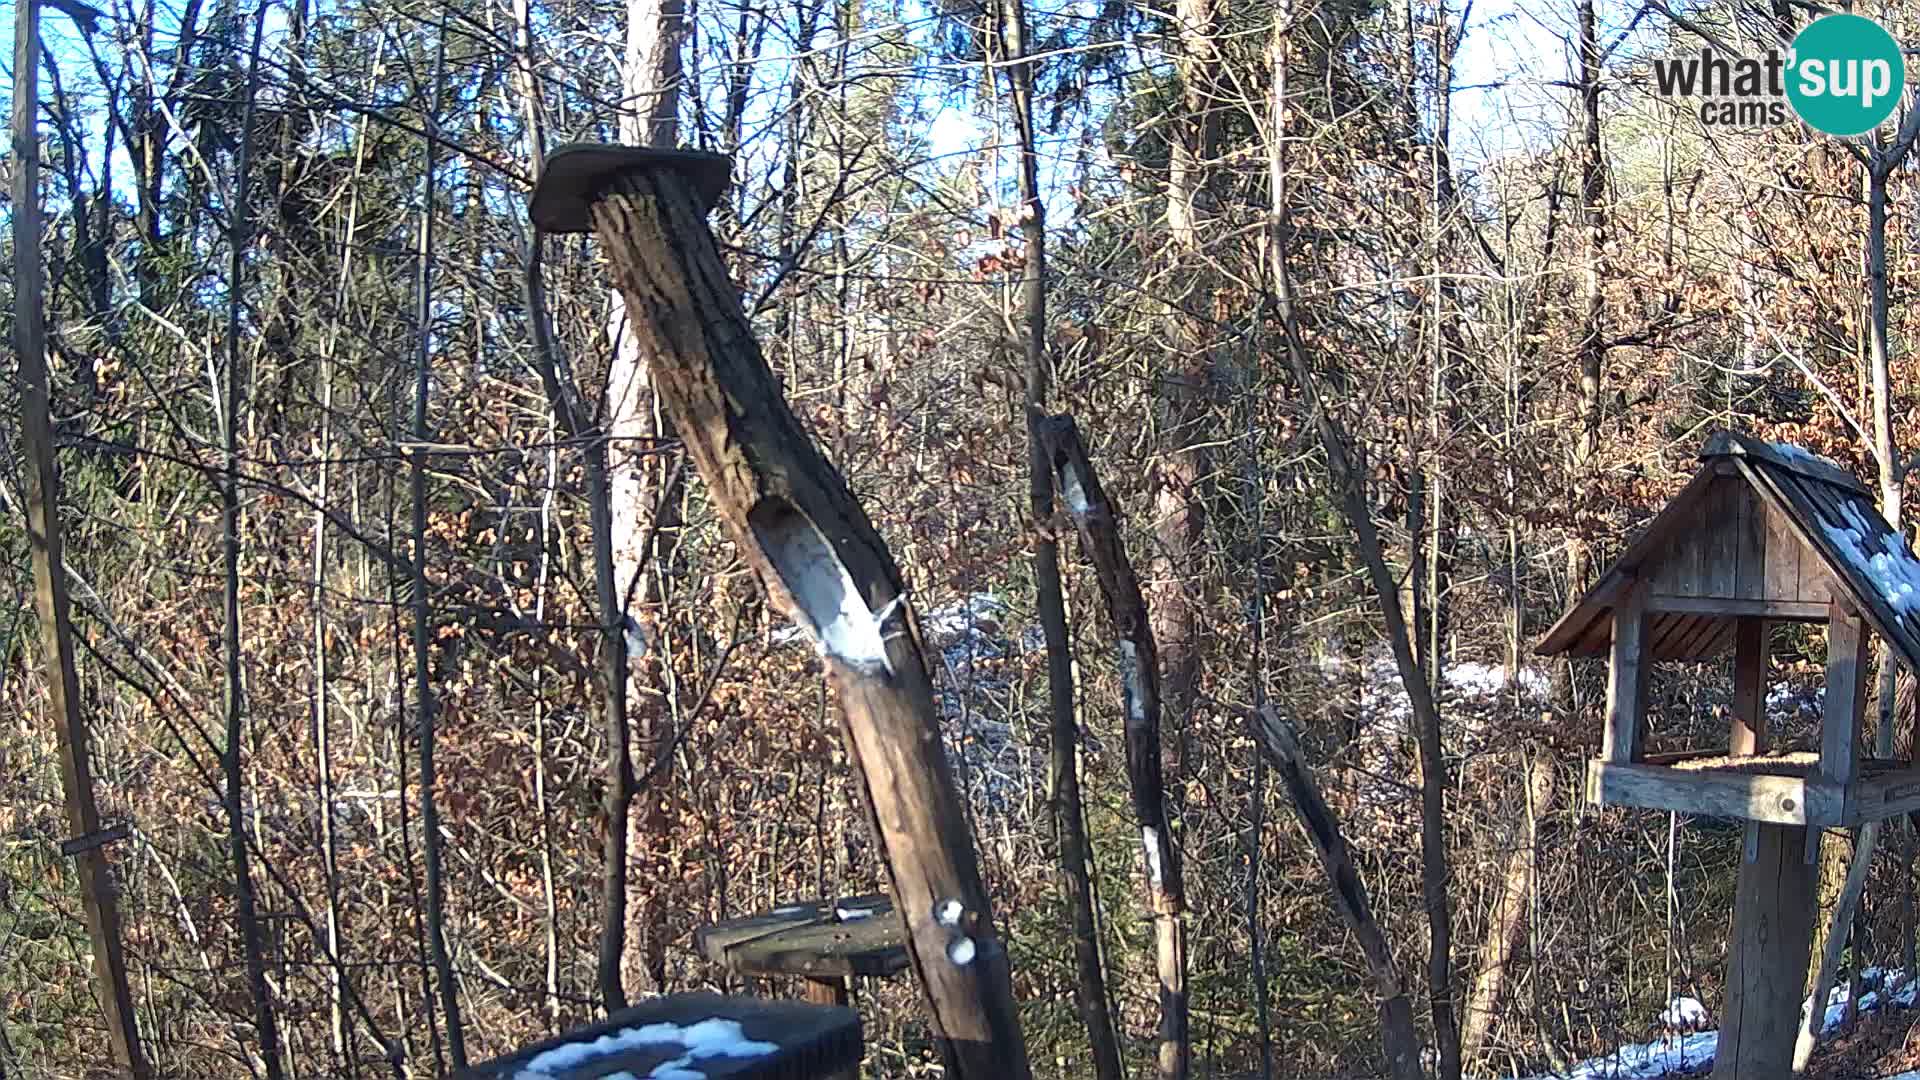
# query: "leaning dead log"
1139,663
813,548
1397,1037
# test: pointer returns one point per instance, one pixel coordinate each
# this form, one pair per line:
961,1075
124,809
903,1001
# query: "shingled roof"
1762,529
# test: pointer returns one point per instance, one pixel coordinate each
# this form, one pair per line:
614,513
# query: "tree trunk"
424,698
51,604
1592,347
252,944
1069,814
1397,1036
1507,925
1348,480
824,566
1183,474
1139,669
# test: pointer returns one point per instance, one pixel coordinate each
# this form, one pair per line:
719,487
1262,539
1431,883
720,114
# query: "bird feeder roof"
1763,529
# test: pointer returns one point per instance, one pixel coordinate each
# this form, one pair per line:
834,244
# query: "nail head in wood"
577,173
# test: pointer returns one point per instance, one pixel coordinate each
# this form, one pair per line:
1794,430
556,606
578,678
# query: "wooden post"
1767,974
1627,677
1846,697
1139,662
1749,734
825,991
813,548
1844,710
50,601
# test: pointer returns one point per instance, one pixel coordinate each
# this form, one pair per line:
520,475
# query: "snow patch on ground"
1689,1054
1685,1014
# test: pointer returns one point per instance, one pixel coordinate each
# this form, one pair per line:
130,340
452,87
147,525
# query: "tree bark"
1348,480
1507,925
1397,1036
51,604
1592,348
824,566
1183,474
1139,668
252,944
632,484
1069,814
424,699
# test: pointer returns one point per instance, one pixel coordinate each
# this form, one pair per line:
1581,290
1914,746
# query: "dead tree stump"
819,557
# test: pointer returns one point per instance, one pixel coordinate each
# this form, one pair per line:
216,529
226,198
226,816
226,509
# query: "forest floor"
1882,1044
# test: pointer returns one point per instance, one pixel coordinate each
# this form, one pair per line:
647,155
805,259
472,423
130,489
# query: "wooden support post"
1627,677
1139,664
1749,734
1843,715
831,991
1767,972
52,606
819,557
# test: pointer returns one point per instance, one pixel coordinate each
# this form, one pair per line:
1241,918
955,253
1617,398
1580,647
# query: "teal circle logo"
1846,74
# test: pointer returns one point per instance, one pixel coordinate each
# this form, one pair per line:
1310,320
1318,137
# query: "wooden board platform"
819,939
1775,789
810,1041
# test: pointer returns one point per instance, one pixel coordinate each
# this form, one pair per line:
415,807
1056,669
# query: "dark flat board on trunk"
810,1041
811,938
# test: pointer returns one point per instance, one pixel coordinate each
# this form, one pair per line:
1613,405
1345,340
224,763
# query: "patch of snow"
1879,555
1674,1055
1803,455
979,611
1685,1014
852,914
1691,1054
710,1038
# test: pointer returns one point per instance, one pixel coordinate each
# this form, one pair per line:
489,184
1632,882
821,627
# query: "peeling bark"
812,546
1139,667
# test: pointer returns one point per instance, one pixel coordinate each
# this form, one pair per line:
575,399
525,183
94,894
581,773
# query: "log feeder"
1763,533
822,563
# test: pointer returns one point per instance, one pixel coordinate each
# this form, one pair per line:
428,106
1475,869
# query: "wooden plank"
1749,734
1887,795
1720,540
1781,574
1772,932
1750,553
1695,643
1664,632
1781,610
1720,640
1706,792
1846,698
1626,679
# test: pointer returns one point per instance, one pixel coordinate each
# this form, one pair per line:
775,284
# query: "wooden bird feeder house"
1763,533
